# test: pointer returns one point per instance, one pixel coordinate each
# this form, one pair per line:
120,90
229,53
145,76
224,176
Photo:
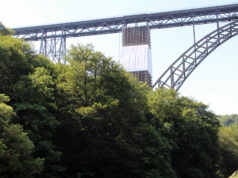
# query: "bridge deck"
115,25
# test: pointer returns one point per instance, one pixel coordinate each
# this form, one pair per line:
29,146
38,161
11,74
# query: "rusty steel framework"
140,64
53,37
179,71
136,36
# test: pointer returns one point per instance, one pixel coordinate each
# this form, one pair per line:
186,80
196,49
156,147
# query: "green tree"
5,31
29,81
228,120
89,117
36,111
192,131
104,130
16,149
228,137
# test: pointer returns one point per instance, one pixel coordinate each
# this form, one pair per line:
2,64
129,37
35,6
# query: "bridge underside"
53,37
177,73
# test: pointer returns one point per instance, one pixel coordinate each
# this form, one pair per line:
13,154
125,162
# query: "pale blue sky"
214,82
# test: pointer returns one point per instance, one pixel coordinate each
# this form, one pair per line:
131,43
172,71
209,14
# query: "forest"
228,120
90,118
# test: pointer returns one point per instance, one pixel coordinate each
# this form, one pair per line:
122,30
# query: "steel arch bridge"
177,73
53,37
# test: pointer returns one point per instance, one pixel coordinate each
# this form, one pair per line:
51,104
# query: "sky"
214,82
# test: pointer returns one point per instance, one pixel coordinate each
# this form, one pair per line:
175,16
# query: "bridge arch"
177,73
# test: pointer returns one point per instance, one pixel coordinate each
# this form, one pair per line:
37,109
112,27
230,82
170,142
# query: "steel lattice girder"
115,25
55,48
180,70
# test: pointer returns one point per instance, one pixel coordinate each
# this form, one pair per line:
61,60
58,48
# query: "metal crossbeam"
53,37
115,25
180,70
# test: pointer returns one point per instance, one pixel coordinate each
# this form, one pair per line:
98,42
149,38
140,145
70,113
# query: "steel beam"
180,70
114,25
53,37
55,48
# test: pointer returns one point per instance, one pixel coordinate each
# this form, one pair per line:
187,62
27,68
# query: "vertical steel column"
194,40
172,78
54,48
63,49
43,44
218,31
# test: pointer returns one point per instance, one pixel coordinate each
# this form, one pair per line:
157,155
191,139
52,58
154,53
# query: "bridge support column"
54,48
136,52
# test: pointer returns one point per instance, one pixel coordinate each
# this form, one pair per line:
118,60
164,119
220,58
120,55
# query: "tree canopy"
16,159
90,118
228,120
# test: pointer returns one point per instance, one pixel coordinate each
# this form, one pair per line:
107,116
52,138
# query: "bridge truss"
53,37
180,70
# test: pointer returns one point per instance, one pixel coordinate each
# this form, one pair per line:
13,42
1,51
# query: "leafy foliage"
5,31
90,118
16,149
108,140
229,144
191,129
228,120
29,81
